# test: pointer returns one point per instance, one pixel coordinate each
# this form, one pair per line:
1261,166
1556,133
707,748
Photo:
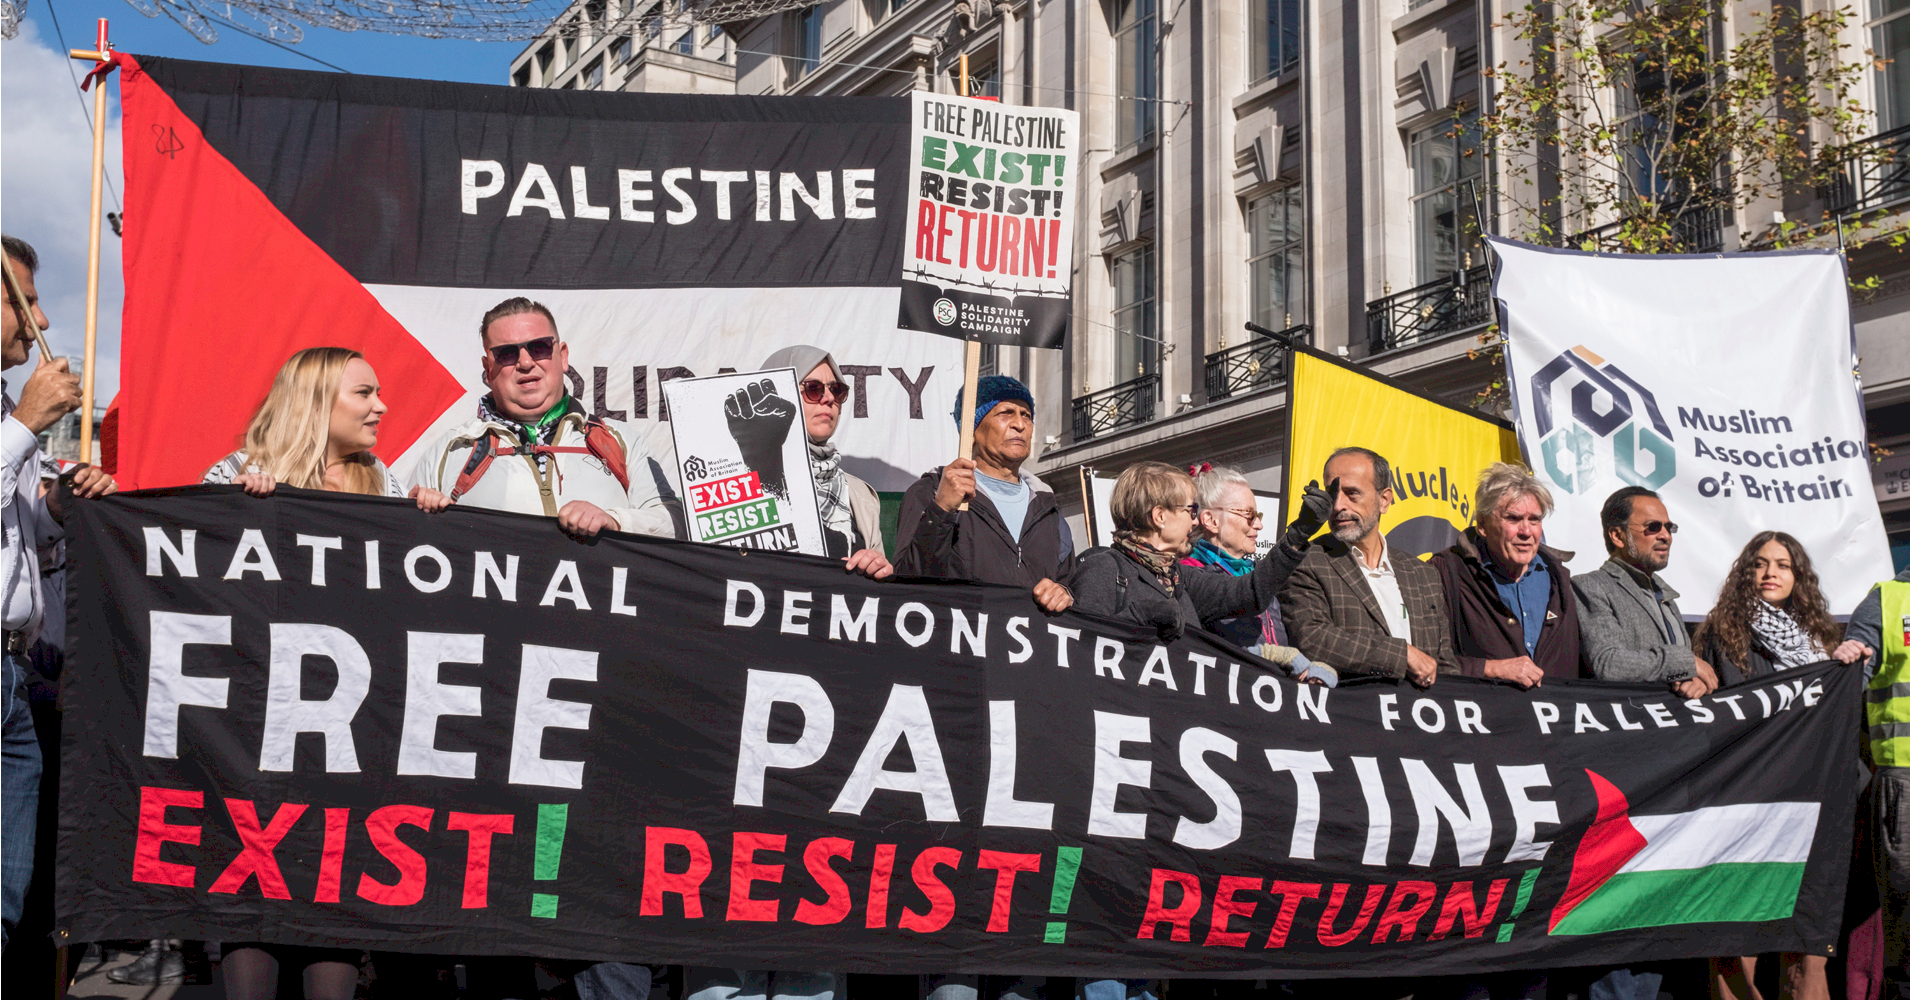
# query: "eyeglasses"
1192,509
540,350
1251,516
1654,527
813,390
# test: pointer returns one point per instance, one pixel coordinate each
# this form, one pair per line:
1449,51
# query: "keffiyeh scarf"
832,489
1779,636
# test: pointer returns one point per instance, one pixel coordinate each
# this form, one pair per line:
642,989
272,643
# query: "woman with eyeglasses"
851,511
1155,508
315,430
1225,538
1771,616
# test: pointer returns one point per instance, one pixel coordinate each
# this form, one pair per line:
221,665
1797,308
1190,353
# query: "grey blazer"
1623,628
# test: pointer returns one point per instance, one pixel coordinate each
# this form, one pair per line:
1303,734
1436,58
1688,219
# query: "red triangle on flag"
1607,845
222,288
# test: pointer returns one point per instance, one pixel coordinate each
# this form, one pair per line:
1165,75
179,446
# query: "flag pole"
102,52
972,348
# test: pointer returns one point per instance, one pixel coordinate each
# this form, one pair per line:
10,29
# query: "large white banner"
1725,383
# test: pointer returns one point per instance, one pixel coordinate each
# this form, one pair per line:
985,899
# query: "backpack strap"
483,452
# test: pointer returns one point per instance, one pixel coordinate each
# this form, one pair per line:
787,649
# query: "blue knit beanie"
992,389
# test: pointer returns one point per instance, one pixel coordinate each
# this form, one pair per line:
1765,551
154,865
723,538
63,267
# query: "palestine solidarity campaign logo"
1719,864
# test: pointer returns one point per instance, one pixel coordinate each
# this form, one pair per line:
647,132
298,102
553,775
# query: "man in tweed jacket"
1356,605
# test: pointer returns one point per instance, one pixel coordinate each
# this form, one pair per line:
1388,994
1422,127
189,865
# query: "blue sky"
46,143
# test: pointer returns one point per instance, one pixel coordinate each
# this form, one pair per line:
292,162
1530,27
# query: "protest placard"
991,228
743,460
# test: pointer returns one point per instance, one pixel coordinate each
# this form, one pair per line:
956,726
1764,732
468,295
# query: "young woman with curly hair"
1770,614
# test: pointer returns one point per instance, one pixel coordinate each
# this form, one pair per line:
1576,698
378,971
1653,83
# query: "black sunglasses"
812,390
540,350
1654,527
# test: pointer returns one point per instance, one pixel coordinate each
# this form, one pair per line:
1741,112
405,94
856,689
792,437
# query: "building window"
1276,248
716,32
895,5
620,52
1890,38
594,75
597,13
990,360
546,61
1135,82
686,44
808,40
1136,339
985,82
522,78
1445,157
1276,37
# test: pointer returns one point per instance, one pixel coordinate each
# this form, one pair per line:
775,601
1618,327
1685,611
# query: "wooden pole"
102,51
972,355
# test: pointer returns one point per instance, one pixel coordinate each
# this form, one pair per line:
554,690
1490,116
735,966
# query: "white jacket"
514,483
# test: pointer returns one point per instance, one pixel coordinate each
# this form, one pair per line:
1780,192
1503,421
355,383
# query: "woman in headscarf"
851,511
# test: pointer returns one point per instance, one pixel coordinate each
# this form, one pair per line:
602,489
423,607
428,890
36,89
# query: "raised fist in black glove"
759,422
1316,505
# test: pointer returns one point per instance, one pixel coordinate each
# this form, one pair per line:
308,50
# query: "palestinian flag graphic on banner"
1717,864
673,236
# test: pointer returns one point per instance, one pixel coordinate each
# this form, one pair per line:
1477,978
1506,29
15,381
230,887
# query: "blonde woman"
315,430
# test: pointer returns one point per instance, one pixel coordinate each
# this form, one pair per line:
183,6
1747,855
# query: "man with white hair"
1509,598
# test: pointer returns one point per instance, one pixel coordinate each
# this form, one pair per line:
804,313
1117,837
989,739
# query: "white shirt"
1386,591
26,522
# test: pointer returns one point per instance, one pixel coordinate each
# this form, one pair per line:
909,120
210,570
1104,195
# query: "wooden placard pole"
102,51
972,354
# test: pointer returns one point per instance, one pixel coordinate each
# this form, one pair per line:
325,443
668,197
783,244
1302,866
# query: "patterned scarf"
543,430
832,489
1164,565
1777,633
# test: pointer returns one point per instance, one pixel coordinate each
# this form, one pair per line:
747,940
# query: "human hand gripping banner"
994,194
333,720
1436,449
1725,383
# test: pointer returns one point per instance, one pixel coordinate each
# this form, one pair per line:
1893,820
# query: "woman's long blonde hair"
290,434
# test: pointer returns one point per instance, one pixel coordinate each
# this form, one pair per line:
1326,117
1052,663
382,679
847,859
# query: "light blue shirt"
1527,597
1011,499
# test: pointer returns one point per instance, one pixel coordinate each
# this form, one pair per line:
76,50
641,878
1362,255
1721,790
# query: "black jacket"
1483,628
975,545
1731,673
1112,585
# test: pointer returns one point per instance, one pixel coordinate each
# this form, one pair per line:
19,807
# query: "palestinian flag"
1719,864
672,235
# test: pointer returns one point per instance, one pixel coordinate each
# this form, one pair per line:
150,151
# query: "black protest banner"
334,720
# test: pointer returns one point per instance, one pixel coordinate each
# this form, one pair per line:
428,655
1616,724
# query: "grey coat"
1623,627
1109,584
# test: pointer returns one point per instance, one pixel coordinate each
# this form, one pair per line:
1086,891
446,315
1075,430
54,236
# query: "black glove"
1164,616
759,422
1316,505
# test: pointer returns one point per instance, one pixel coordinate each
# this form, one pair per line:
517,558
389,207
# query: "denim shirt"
1526,598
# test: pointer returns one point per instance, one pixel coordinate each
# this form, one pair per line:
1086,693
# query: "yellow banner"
1437,451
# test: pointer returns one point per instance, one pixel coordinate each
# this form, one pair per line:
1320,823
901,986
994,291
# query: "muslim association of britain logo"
1595,422
945,312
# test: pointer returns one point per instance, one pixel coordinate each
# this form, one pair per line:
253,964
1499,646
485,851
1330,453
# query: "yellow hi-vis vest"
1887,703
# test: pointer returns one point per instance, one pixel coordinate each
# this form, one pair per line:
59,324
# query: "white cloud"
46,152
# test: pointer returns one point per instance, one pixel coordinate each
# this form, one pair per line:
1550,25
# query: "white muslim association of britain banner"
1725,383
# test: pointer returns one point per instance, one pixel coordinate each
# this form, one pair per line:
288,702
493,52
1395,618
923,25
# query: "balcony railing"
1256,364
1700,230
1877,174
1126,405
1429,312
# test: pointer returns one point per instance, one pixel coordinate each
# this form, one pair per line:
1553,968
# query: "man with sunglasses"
534,449
1628,615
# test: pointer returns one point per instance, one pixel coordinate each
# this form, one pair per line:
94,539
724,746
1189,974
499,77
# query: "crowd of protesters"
1498,604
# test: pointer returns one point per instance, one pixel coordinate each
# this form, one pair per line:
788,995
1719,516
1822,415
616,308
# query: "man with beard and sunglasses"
1628,615
534,449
